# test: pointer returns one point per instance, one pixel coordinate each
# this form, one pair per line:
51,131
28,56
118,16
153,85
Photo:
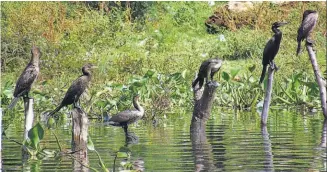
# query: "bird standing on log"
271,49
207,68
27,78
76,89
127,117
309,22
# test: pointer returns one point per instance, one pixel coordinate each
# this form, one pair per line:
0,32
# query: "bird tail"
263,73
13,103
54,111
195,82
298,50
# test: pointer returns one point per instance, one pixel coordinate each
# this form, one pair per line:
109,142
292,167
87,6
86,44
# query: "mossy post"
79,139
321,83
266,103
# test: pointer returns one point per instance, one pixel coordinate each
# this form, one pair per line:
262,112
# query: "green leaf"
36,135
251,68
90,144
234,72
226,76
149,73
122,155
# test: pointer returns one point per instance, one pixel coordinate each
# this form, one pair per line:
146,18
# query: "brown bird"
309,22
207,68
76,89
127,117
27,78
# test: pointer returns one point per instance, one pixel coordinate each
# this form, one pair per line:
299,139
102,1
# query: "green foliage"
154,49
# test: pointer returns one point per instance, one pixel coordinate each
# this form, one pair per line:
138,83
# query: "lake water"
234,141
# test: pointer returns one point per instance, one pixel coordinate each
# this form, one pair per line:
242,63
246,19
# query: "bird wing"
309,23
267,50
26,79
123,116
75,90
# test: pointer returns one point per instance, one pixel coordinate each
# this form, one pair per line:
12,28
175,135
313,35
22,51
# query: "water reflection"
323,134
202,150
268,162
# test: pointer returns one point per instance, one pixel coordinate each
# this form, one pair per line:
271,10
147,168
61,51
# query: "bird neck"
86,72
276,30
137,105
35,60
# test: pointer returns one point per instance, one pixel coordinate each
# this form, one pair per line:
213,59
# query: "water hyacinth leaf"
122,155
36,135
234,72
90,144
225,76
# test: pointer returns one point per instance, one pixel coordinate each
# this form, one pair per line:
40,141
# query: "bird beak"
94,67
283,23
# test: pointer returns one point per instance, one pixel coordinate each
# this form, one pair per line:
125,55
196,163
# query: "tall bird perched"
76,89
27,78
309,22
127,117
207,68
271,49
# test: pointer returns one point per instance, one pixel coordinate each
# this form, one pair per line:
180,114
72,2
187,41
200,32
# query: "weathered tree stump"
202,150
79,139
266,103
321,83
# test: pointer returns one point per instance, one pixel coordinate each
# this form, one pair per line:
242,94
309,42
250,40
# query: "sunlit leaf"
122,155
234,72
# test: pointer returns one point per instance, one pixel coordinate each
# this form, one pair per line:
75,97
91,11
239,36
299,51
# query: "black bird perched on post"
309,22
27,78
207,68
127,117
271,49
76,89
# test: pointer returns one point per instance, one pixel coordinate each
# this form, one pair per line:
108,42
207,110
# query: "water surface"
234,141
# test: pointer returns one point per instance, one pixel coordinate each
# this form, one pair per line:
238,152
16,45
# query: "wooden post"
321,83
0,139
268,163
29,116
266,104
79,139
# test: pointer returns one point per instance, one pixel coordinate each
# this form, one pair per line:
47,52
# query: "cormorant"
208,67
309,22
76,89
271,49
127,117
27,78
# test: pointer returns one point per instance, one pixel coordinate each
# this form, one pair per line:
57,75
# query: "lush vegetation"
153,48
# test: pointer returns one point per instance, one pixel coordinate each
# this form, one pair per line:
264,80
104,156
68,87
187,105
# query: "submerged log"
321,83
266,104
79,139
